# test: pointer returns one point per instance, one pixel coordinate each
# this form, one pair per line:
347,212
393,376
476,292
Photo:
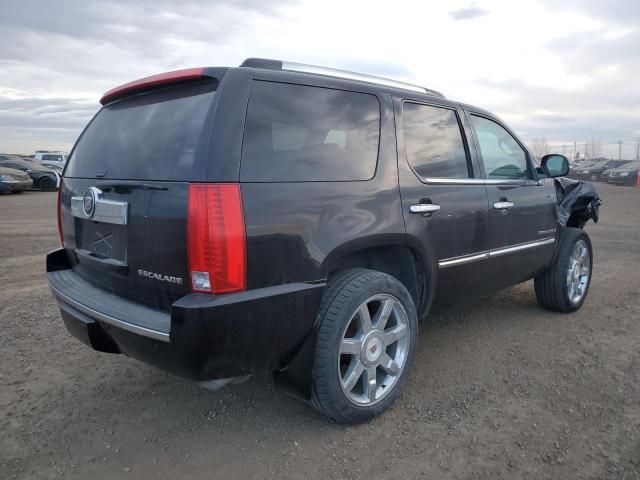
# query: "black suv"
216,222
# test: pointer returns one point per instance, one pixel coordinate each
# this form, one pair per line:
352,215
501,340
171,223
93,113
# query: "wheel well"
395,260
578,218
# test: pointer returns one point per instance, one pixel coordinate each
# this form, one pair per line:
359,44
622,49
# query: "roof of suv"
266,65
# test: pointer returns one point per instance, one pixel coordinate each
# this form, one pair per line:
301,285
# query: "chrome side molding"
475,257
517,248
452,262
482,181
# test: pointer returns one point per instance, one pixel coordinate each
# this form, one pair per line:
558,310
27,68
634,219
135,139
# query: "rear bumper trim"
116,322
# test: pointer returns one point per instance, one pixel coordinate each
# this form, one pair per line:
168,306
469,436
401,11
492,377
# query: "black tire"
46,184
346,291
551,286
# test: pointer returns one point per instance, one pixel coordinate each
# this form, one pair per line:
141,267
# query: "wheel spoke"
389,365
379,323
365,318
370,384
353,375
350,346
583,254
394,334
382,315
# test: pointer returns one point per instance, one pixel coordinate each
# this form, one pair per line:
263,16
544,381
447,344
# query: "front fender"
578,202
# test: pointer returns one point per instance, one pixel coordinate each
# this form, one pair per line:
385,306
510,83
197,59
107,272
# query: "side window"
297,133
502,156
433,141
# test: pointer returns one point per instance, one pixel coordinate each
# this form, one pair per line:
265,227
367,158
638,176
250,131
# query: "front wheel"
564,286
366,340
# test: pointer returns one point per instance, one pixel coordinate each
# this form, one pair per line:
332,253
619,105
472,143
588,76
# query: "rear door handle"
424,208
502,205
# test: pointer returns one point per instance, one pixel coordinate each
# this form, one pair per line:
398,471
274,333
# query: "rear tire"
366,342
565,284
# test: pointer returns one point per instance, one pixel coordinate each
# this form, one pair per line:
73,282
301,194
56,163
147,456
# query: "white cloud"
563,74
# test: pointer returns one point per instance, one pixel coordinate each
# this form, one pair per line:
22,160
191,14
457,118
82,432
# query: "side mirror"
555,165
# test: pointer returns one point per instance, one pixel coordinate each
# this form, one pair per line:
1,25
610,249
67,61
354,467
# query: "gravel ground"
500,388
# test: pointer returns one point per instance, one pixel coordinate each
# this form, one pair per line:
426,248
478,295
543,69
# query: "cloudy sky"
565,70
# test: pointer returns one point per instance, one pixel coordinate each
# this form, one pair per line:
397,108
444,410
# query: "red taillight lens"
216,239
59,213
152,82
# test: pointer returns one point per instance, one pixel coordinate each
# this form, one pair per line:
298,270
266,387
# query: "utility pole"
638,150
574,151
619,149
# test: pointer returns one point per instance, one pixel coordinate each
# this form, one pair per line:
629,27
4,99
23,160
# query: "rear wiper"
142,186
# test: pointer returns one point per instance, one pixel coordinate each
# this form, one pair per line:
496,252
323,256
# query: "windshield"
152,136
595,165
630,166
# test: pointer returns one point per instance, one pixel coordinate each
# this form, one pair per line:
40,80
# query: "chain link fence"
589,149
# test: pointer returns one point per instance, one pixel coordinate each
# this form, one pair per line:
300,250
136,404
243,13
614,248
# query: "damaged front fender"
578,202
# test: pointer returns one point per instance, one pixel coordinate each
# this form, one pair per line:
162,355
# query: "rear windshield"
154,136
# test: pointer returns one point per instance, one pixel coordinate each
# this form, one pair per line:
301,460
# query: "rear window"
433,141
153,136
301,133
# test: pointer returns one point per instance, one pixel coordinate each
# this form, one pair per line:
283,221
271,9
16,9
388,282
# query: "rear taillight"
59,213
216,239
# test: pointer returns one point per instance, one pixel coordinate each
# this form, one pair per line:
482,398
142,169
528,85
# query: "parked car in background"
43,177
14,181
589,171
627,174
610,166
46,156
56,168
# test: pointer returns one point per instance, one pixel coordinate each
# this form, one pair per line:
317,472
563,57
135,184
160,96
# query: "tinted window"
301,133
502,156
433,142
155,136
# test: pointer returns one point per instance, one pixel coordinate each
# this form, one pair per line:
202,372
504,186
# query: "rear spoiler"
161,80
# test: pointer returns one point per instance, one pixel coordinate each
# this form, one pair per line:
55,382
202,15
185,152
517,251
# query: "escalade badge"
160,276
89,201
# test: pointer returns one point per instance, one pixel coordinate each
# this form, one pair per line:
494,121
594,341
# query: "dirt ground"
500,388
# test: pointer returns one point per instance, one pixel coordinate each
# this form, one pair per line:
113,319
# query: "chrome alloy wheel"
373,350
578,272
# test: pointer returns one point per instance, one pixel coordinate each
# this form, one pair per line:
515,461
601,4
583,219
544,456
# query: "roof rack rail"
333,72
